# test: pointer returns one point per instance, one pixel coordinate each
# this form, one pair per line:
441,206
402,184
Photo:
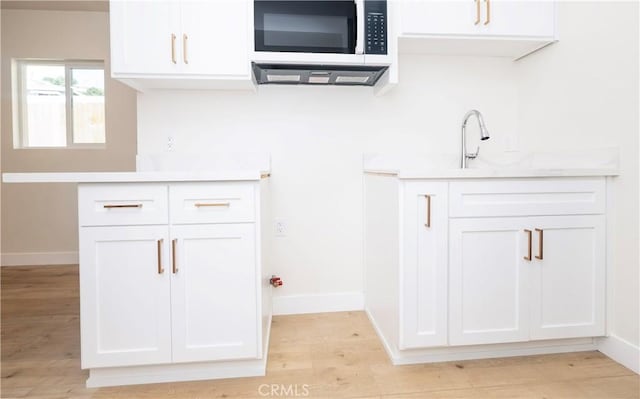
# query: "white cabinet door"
568,282
420,17
215,37
125,296
521,18
213,292
423,314
494,18
488,291
203,38
141,37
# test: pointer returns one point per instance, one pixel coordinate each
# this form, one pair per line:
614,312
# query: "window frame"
20,129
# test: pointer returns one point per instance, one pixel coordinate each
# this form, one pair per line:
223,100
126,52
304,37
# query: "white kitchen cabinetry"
480,27
484,267
488,283
516,279
568,283
181,44
423,268
214,293
125,297
170,274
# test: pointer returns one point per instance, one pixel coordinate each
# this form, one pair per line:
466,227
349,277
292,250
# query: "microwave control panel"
375,12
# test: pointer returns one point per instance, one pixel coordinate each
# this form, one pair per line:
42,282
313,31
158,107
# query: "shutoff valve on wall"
275,281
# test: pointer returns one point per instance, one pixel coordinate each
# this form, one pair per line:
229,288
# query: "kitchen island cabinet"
174,285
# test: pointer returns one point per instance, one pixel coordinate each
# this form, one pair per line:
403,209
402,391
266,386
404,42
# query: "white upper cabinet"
214,37
141,38
181,44
480,27
519,18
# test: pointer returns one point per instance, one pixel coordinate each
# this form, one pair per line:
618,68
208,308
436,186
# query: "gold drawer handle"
111,206
488,12
477,12
206,204
173,48
428,198
540,255
528,257
160,268
184,48
174,244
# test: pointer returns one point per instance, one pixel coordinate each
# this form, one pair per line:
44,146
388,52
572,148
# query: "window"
58,103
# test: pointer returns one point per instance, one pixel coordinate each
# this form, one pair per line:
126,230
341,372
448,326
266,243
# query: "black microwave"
317,26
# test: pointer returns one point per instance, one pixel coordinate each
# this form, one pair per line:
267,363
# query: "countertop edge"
490,174
133,177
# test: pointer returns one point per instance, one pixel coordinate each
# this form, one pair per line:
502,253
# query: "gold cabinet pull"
540,255
160,268
184,48
477,12
174,266
206,204
173,48
111,206
488,12
529,233
428,199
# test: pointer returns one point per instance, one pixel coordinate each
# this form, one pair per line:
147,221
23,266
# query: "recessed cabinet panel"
125,308
214,293
424,270
531,197
568,282
479,18
438,17
488,281
520,18
206,203
141,41
122,204
214,39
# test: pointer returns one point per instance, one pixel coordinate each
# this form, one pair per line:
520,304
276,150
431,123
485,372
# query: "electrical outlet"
170,143
279,228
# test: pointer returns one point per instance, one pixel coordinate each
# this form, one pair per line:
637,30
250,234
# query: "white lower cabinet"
507,287
488,287
213,292
166,289
466,263
424,271
125,305
568,282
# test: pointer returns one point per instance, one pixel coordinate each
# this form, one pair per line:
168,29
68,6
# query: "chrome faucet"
484,135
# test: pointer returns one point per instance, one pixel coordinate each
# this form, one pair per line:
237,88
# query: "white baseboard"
39,258
318,303
621,351
488,351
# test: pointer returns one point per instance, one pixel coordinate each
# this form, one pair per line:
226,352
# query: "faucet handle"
473,155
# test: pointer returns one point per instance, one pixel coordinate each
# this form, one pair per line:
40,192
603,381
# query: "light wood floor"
332,355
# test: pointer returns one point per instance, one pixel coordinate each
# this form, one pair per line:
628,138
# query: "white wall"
316,137
39,221
583,93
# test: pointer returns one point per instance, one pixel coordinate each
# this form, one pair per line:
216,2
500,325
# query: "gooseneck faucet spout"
484,135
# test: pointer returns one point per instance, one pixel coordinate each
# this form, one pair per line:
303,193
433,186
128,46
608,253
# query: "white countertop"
130,177
601,162
490,173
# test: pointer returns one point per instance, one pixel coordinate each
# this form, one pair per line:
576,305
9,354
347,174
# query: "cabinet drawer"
122,204
212,203
527,197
